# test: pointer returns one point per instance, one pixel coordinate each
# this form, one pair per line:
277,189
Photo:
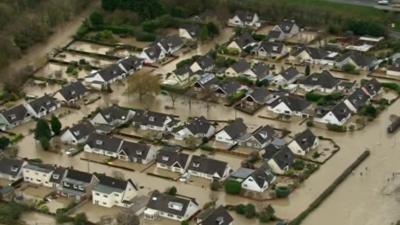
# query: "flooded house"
303,142
270,49
208,168
171,44
14,117
104,77
314,55
42,106
136,152
214,216
359,60
357,100
103,145
255,98
11,169
78,133
290,105
229,88
189,31
259,180
71,93
169,158
203,63
113,116
281,161
323,82
285,30
243,18
206,81
259,138
338,115
287,76
152,54
110,191
131,64
57,177
183,74
372,87
177,208
198,127
77,185
232,132
38,173
240,68
242,42
153,121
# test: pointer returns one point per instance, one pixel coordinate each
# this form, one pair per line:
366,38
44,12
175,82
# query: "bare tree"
127,219
143,84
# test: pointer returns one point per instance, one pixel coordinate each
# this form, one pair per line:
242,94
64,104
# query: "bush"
215,185
298,164
4,142
350,68
250,211
240,209
336,128
172,191
185,222
370,111
282,192
232,187
310,123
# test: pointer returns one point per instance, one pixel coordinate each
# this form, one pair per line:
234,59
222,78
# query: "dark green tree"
42,129
96,19
232,187
307,70
80,219
55,125
4,142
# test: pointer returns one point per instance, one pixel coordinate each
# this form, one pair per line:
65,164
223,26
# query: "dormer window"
151,118
108,116
139,152
99,142
77,132
12,116
196,164
14,168
165,158
175,206
56,176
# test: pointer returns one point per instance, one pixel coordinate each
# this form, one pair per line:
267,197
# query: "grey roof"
45,102
340,111
218,216
283,157
294,103
10,166
205,61
58,175
359,58
170,42
131,63
208,166
199,125
236,129
264,134
244,40
104,142
193,29
45,168
111,72
172,158
82,129
358,98
207,80
305,139
242,173
323,79
287,25
245,16
259,95
181,71
261,70
175,205
262,175
315,53
109,184
73,90
270,150
153,51
290,73
79,176
135,150
372,87
271,47
15,114
150,118
113,113
274,34
241,66
229,87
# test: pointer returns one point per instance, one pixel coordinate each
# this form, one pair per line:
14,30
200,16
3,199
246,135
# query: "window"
97,194
105,196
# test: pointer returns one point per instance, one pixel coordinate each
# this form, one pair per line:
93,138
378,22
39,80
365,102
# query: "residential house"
11,169
152,54
113,116
148,120
270,49
232,132
259,180
394,69
78,133
110,191
136,152
170,44
38,173
130,64
106,76
77,184
359,60
262,71
71,93
42,106
281,161
13,117
242,42
199,128
170,158
371,87
259,138
357,100
103,145
313,55
229,88
183,74
240,68
245,19
206,81
289,105
203,63
214,216
172,207
323,82
255,98
190,31
57,177
286,29
303,142
202,166
338,115
287,76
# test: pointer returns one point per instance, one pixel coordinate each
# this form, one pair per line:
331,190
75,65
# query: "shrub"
4,142
215,185
350,68
240,209
233,187
250,211
298,164
282,192
172,191
336,128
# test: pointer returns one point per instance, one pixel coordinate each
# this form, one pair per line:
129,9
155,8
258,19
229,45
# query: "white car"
383,2
71,151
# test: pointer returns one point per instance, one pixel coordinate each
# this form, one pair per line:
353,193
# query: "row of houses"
160,49
104,190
